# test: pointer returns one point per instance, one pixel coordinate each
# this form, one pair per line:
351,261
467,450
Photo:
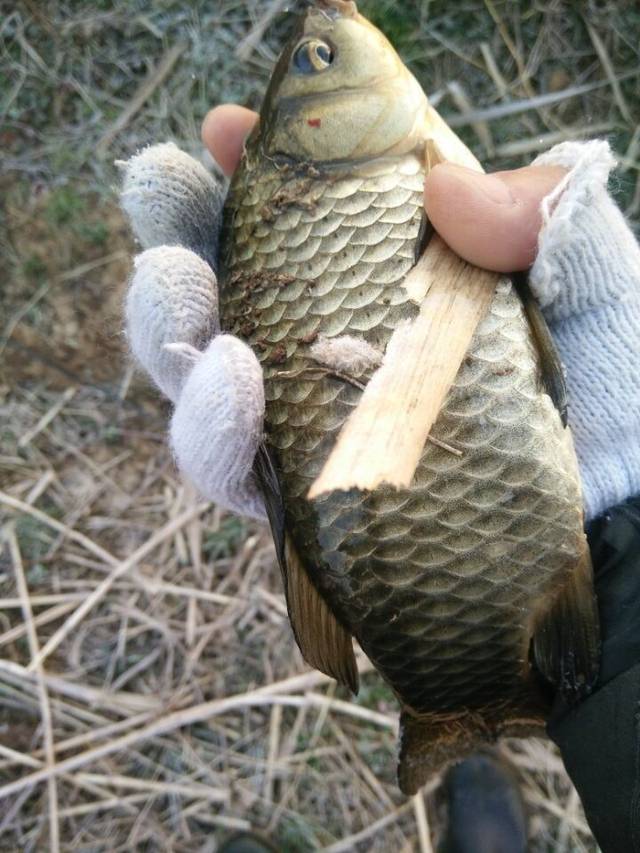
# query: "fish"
471,590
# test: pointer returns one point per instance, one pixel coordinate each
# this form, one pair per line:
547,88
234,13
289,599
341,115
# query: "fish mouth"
338,8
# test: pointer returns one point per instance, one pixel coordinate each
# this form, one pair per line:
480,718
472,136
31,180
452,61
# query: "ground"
164,693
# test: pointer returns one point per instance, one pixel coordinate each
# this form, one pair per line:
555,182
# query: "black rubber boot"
486,811
247,842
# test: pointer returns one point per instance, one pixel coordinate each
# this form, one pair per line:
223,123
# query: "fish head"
340,92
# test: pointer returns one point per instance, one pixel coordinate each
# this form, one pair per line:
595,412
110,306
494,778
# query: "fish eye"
312,57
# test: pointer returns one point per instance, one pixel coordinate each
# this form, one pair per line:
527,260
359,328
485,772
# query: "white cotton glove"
214,380
587,280
586,276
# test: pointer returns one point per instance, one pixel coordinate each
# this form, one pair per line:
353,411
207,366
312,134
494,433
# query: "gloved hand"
214,380
586,276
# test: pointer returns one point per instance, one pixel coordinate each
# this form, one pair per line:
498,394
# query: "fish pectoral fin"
566,639
551,371
323,641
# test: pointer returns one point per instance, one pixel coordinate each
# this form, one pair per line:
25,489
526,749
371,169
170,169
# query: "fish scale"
438,582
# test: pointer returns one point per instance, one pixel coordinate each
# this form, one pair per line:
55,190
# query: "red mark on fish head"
314,122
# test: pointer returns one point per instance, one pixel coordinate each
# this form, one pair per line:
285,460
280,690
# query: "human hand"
214,380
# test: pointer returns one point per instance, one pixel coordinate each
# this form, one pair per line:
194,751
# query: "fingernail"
490,186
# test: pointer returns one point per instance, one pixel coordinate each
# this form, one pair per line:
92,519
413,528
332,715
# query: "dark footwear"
247,842
486,812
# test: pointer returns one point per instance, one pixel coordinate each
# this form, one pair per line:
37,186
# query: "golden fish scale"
439,582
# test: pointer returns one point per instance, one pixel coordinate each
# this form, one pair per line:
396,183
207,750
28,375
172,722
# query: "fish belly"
441,583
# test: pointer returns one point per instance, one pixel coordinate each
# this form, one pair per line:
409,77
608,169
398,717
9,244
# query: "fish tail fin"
566,639
430,742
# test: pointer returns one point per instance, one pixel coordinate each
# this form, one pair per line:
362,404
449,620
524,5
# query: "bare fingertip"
224,131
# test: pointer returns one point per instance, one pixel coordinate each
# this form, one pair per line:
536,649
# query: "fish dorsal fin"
324,643
566,640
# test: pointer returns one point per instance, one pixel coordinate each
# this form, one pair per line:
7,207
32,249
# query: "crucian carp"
471,590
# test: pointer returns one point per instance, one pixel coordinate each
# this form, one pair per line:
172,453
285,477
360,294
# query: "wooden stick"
383,439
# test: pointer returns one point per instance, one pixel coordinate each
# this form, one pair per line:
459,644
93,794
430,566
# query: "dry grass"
151,695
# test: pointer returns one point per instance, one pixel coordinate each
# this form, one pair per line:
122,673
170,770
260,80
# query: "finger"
218,424
171,200
494,220
224,131
172,299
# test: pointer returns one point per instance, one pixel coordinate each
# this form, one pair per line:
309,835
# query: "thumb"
491,221
224,131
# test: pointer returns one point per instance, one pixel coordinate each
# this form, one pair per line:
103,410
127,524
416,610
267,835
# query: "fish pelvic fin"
324,643
566,639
